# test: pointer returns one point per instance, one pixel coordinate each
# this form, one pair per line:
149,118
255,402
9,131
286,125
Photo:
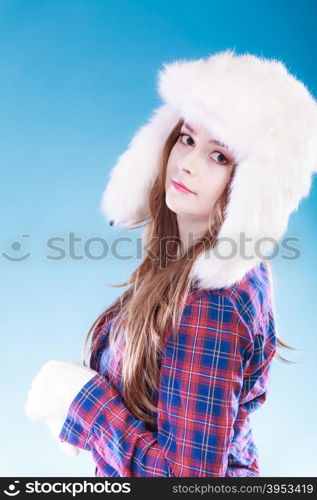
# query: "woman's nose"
189,161
188,164
186,169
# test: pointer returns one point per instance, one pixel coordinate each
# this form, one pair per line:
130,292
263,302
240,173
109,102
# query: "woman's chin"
177,203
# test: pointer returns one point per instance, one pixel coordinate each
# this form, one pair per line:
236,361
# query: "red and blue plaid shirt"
212,377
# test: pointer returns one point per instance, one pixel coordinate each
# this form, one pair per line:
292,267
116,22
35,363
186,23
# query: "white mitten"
55,426
53,390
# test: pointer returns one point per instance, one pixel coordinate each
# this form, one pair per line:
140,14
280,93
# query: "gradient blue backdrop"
76,80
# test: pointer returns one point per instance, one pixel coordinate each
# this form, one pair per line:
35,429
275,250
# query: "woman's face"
202,166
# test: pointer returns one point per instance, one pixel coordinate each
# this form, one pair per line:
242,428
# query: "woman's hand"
53,390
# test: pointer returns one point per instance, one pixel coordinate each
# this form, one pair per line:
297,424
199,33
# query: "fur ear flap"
255,220
125,199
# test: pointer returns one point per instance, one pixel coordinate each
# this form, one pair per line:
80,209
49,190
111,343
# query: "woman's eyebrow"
212,140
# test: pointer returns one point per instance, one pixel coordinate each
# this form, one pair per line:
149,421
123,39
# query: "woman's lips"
181,188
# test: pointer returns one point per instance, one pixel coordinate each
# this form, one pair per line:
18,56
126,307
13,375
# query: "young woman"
182,358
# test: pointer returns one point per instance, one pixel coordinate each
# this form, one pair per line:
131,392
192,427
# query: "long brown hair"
156,295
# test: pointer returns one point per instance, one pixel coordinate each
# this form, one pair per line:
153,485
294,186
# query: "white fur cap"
269,120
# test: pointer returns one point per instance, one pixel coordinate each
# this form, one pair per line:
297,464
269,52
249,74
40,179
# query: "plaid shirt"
212,377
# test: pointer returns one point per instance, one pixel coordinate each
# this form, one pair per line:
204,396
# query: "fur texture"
266,116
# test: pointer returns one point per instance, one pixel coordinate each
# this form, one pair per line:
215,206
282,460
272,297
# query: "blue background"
76,80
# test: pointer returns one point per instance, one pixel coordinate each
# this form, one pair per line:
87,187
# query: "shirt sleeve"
200,383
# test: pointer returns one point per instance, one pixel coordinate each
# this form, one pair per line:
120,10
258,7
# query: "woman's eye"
223,160
181,135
